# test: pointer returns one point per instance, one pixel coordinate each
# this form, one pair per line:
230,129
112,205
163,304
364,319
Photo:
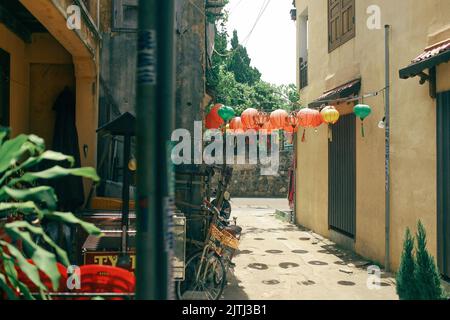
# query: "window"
304,39
125,15
341,22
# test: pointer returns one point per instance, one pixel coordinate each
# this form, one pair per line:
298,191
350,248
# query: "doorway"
5,68
443,181
342,177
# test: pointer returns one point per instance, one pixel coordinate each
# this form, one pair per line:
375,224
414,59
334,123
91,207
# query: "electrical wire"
261,13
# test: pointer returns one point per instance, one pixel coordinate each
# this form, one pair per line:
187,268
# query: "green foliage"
234,82
427,277
406,284
22,194
418,277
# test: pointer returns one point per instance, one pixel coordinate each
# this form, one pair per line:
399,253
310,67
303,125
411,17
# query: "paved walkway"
280,261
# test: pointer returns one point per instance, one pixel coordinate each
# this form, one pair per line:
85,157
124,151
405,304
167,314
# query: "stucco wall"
19,84
413,130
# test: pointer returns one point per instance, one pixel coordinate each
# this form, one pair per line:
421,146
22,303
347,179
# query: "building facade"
340,182
39,57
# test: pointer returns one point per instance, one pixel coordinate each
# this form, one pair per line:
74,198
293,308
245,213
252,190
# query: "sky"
272,45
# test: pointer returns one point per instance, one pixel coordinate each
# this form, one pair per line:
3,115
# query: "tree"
406,285
418,277
426,275
232,80
239,63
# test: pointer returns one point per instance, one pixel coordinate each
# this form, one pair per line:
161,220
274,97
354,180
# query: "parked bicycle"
206,270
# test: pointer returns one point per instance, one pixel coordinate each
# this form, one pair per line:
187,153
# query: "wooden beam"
14,24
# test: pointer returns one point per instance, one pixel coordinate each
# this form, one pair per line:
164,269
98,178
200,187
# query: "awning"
349,90
432,56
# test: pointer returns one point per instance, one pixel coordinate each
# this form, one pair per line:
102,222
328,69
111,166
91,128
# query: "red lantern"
236,125
293,122
261,119
268,127
248,118
309,118
213,120
279,119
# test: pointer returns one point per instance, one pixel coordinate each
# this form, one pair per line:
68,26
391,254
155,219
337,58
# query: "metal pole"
387,161
154,113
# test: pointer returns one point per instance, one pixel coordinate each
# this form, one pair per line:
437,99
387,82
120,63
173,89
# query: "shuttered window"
125,15
341,22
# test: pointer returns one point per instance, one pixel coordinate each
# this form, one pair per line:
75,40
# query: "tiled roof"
432,56
433,51
346,90
340,89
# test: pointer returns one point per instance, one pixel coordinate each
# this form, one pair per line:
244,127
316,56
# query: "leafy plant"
418,277
23,193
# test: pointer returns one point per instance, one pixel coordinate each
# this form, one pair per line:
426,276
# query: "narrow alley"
278,260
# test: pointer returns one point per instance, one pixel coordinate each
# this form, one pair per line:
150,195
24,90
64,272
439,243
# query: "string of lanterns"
221,117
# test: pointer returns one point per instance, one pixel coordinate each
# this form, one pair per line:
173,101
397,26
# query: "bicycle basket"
216,234
230,240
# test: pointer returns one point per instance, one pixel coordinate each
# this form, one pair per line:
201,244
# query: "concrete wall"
413,123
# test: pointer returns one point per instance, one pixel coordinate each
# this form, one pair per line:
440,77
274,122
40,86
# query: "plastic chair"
105,279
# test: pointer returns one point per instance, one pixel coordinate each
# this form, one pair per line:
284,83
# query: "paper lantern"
248,118
213,120
236,125
309,118
293,123
362,111
261,118
279,119
330,116
226,113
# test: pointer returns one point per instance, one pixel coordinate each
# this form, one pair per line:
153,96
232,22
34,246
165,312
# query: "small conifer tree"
427,277
406,284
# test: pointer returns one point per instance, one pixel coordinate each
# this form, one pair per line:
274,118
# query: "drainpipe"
154,115
387,29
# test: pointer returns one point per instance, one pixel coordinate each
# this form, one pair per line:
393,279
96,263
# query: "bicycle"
206,270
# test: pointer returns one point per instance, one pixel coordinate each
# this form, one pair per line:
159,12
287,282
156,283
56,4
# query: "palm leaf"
41,195
33,161
25,208
56,172
16,227
70,218
44,260
10,150
29,269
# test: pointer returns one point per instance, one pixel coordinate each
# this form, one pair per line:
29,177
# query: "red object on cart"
105,279
44,279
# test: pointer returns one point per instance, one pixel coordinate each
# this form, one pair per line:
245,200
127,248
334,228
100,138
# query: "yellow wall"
19,84
413,127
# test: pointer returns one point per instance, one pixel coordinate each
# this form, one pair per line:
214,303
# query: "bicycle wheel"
205,280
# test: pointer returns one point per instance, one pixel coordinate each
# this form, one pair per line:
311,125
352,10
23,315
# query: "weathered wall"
19,84
51,69
247,180
413,130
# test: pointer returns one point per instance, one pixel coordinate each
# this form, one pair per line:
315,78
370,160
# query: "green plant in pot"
23,194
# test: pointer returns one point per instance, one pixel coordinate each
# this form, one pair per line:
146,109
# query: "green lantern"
362,111
226,113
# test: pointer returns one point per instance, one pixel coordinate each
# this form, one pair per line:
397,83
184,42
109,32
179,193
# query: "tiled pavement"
280,261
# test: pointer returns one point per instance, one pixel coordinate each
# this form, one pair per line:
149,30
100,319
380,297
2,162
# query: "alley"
278,260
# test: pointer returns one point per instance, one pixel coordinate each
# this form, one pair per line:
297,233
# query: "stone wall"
247,180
